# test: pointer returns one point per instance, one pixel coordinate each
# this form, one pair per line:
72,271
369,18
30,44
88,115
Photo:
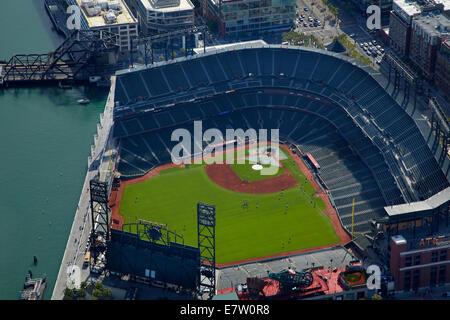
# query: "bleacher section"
363,140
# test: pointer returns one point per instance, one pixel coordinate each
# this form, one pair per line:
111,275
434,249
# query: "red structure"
327,284
313,161
419,265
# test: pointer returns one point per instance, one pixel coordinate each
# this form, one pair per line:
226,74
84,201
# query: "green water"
45,139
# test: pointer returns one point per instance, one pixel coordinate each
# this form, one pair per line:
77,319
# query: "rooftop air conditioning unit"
110,17
103,4
114,5
93,11
87,3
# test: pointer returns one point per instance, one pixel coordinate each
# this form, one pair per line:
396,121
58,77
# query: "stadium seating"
348,136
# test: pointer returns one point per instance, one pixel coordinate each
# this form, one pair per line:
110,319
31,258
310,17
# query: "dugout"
170,262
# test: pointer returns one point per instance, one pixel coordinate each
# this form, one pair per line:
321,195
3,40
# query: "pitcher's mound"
224,176
257,167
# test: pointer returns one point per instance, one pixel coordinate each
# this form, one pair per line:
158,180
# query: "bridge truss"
74,59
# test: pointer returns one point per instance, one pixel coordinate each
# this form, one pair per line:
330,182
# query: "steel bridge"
76,59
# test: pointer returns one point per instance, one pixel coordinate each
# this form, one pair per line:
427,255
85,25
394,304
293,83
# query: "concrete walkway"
81,227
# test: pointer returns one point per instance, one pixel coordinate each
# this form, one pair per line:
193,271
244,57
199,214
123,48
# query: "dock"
33,289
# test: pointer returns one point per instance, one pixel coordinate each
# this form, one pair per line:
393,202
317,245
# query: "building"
156,16
414,242
316,275
113,16
243,19
400,24
423,263
403,11
427,32
442,71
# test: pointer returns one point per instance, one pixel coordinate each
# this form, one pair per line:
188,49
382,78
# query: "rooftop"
446,4
337,257
434,24
312,282
100,13
167,5
407,6
399,239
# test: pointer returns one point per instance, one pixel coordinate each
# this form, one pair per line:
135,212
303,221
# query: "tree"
84,285
107,293
99,286
97,293
68,294
213,25
81,294
376,297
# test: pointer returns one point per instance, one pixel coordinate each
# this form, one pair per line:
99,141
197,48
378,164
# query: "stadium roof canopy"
235,45
424,206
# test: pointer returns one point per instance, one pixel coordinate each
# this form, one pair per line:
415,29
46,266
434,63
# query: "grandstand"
367,146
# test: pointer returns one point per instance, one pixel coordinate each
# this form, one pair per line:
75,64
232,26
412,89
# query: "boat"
84,101
33,289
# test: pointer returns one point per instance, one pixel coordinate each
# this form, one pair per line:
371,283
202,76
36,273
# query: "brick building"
427,32
442,71
414,242
401,16
420,263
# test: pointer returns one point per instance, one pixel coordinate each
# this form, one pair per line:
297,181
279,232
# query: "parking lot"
314,18
373,49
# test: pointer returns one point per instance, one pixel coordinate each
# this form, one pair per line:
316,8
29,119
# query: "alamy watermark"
374,20
74,19
190,149
374,280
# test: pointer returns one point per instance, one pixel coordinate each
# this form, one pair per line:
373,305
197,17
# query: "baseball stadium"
347,149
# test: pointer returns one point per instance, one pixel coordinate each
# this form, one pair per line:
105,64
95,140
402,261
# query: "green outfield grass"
246,173
272,223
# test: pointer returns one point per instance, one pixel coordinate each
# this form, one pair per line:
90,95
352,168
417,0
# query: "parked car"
305,24
374,42
305,8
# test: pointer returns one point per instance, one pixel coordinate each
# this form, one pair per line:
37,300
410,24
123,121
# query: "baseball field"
252,220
